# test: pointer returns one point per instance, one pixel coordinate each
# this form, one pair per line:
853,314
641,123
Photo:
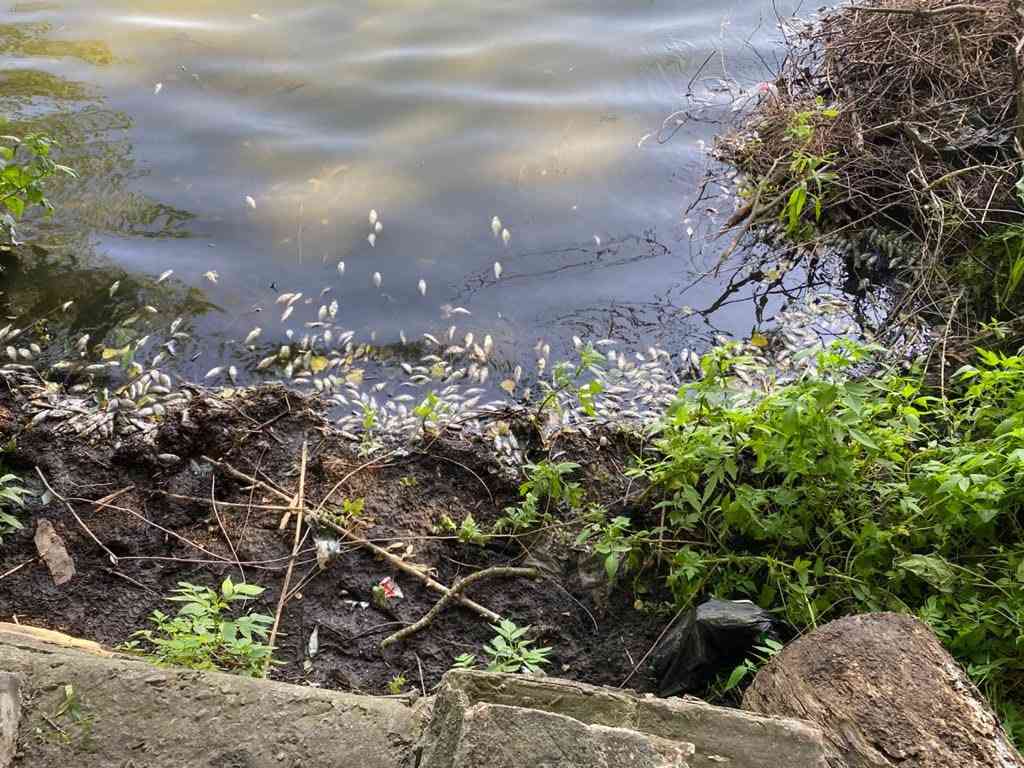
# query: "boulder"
885,693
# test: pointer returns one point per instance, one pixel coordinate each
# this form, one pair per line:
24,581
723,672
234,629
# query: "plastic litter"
709,639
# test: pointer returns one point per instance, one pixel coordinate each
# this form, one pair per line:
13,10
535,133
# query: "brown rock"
51,548
885,693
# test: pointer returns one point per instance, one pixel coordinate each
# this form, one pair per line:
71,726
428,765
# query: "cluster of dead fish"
395,393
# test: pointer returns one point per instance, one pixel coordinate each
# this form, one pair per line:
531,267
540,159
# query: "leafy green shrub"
201,636
835,495
546,482
23,169
508,651
12,494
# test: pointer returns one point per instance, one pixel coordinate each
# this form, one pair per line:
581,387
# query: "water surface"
439,115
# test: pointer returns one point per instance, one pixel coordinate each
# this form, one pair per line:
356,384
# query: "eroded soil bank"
160,524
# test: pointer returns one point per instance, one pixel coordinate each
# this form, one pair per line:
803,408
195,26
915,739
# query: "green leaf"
931,569
15,205
864,440
736,677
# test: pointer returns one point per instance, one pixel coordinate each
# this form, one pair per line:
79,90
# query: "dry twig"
453,594
299,502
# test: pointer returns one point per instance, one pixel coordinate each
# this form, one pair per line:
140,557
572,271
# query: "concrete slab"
130,714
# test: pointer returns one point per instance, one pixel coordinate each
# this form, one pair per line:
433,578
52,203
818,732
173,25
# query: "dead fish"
250,201
212,276
253,335
341,267
373,216
66,305
378,227
496,226
214,372
164,275
287,312
113,287
497,270
505,236
377,279
157,88
421,286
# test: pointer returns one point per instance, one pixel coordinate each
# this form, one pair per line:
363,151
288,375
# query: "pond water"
246,143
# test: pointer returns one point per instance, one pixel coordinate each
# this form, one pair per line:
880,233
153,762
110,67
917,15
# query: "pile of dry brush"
908,116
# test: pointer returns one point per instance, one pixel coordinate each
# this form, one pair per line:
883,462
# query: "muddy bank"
159,526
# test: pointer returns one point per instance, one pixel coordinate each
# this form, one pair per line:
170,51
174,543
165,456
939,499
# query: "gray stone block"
719,737
131,714
10,717
498,736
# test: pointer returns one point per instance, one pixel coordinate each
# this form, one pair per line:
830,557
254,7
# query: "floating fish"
496,226
164,275
377,279
421,286
252,336
373,216
66,305
597,241
250,201
341,267
157,88
287,312
497,270
212,276
505,236
214,372
372,240
378,227
113,288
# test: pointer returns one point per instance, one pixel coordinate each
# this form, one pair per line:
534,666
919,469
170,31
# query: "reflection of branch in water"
596,256
630,322
753,271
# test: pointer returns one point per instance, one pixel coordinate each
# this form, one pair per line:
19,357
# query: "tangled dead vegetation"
895,132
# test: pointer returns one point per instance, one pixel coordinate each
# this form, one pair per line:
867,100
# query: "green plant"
764,651
430,409
396,684
469,532
546,482
12,494
508,651
838,494
23,169
812,178
202,636
568,378
611,540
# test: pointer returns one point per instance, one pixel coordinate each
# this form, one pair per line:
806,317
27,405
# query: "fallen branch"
383,554
299,502
405,567
453,594
239,475
919,11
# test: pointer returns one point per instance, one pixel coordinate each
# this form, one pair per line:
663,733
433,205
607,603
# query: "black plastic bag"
715,636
